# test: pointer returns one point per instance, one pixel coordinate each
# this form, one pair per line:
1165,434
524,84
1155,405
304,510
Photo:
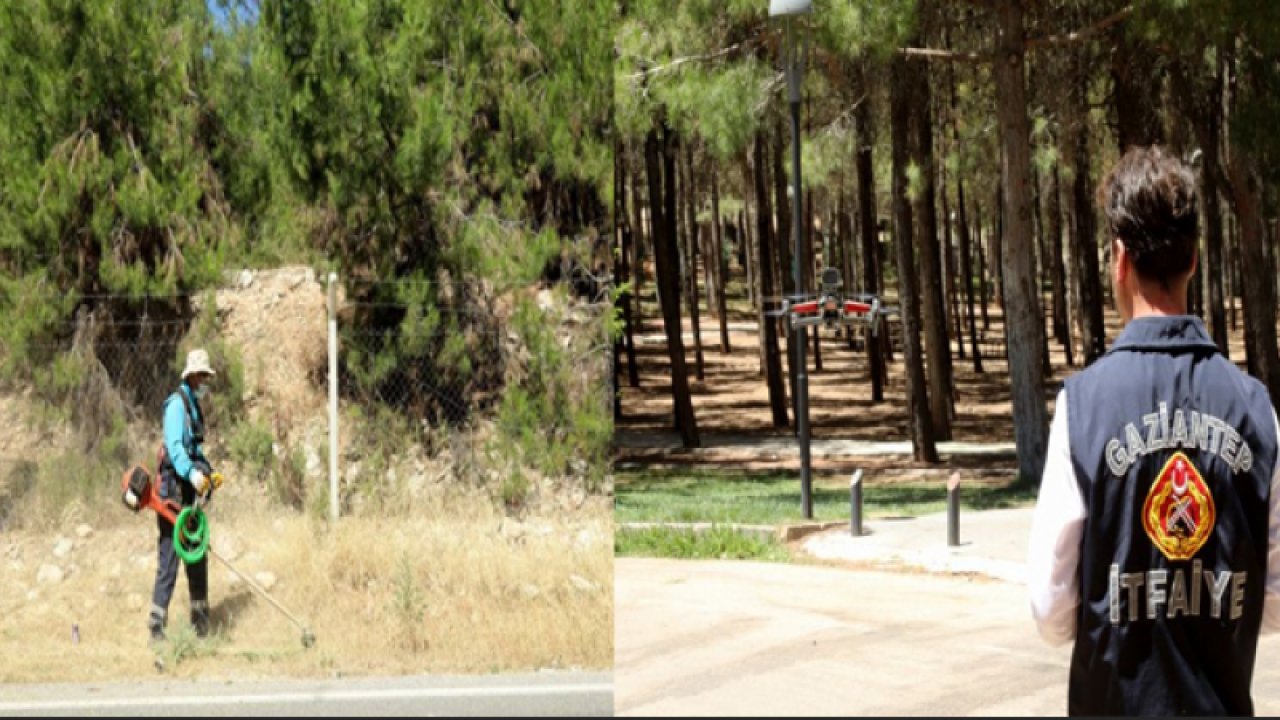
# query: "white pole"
333,396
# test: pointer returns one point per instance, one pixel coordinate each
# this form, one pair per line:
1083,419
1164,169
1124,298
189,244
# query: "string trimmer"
191,532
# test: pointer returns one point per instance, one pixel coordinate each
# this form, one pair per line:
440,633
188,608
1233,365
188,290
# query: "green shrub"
252,447
557,417
409,607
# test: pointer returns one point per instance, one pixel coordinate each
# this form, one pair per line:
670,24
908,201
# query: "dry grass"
455,588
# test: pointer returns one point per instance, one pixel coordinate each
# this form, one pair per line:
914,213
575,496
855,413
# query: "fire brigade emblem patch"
1179,513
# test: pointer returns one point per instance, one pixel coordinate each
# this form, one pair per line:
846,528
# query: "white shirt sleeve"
1271,601
1053,557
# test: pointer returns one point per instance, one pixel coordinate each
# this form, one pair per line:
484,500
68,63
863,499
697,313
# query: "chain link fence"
464,385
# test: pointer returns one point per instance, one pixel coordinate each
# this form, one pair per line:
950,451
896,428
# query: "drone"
829,307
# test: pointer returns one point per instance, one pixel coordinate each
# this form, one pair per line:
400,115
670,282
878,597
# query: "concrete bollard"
855,504
953,510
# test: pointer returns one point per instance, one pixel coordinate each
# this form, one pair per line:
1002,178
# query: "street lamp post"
794,49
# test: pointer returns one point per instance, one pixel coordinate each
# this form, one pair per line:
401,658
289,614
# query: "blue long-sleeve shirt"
179,441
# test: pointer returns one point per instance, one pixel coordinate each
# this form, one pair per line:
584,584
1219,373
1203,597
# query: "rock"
33,596
83,531
266,579
582,584
116,570
63,547
141,560
315,464
245,280
545,300
352,474
585,540
49,574
134,601
232,580
530,591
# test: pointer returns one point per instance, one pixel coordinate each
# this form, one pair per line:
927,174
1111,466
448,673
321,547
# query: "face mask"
202,392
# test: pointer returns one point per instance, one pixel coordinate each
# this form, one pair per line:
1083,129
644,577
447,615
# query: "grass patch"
456,588
774,498
182,644
715,544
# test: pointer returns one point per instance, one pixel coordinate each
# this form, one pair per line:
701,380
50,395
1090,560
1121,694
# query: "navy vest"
1174,449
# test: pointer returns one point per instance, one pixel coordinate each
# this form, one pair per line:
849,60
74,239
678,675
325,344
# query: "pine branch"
1082,34
949,55
681,61
1047,41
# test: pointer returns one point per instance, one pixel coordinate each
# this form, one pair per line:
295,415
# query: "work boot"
200,618
155,624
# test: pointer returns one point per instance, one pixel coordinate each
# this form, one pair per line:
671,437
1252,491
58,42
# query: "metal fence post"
333,395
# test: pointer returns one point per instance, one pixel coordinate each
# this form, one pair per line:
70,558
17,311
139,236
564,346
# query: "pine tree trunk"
1040,263
660,167
875,342
620,305
1213,241
1233,267
783,243
773,360
966,275
1061,327
809,274
691,257
721,261
995,249
624,267
637,255
754,254
844,229
951,271
1023,321
934,315
922,439
980,247
1259,288
1136,90
1084,236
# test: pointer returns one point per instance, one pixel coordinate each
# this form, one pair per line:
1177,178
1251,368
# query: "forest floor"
731,402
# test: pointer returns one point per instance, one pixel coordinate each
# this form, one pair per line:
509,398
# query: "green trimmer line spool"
191,546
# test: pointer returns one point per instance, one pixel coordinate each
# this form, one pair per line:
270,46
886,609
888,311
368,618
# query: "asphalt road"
737,638
557,694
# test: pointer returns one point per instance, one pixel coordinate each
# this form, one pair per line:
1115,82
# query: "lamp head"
784,8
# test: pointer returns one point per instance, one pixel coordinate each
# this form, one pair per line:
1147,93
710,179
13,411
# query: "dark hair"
1150,201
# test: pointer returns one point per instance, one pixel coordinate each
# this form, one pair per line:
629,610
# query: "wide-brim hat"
197,363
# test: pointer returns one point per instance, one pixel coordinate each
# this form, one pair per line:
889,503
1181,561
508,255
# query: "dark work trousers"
167,570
